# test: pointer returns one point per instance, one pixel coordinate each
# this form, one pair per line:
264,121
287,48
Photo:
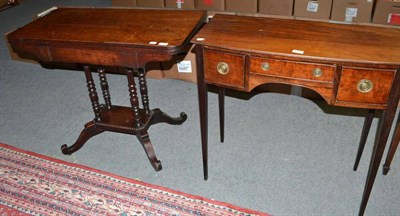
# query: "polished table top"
318,40
110,31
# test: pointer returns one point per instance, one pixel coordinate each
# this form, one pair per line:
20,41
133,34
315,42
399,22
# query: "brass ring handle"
365,85
317,72
265,66
223,68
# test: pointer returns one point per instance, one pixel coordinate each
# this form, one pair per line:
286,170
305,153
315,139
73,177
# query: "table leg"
159,117
104,87
90,129
364,136
92,92
142,136
131,120
144,139
133,97
156,115
143,90
203,105
393,147
379,147
221,102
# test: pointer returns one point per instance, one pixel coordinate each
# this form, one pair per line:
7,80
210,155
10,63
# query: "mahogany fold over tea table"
348,65
99,37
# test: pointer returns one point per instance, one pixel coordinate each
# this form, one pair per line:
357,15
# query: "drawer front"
360,85
224,69
293,70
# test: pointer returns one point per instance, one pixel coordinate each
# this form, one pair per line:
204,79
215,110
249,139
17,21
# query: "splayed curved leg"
159,117
144,139
89,131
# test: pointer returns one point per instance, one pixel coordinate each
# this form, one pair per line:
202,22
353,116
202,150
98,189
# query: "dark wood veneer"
103,37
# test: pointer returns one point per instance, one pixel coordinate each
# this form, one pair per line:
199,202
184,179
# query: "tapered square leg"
221,102
364,136
393,147
379,147
203,108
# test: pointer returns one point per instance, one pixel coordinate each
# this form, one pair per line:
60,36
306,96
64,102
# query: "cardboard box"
181,67
241,6
387,12
317,9
184,4
212,5
154,70
150,3
352,10
124,3
273,7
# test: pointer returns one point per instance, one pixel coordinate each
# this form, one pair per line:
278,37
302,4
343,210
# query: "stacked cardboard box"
384,11
150,3
320,9
241,6
273,7
182,67
387,12
352,10
184,4
212,5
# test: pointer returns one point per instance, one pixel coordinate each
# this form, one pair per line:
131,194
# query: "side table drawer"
358,85
292,70
224,69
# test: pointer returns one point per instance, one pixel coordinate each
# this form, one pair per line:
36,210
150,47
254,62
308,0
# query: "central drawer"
292,70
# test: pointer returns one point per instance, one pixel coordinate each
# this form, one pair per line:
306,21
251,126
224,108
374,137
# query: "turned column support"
143,90
133,96
92,92
104,87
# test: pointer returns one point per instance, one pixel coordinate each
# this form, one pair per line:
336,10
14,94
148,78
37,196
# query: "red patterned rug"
35,184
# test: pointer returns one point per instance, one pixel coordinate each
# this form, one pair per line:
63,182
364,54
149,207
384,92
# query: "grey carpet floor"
283,154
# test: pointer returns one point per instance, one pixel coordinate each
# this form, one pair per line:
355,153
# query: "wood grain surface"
318,40
113,26
107,36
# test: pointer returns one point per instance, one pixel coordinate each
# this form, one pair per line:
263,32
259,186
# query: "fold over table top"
164,32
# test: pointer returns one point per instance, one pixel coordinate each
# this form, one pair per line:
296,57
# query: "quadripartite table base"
130,120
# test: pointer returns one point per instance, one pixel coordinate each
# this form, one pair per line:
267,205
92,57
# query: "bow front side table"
103,37
354,66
